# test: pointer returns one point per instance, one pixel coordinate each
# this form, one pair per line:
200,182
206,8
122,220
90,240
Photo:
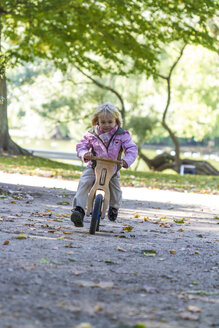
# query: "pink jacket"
121,141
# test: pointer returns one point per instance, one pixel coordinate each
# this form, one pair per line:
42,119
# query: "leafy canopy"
102,36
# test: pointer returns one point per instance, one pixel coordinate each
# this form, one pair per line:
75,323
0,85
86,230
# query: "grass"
33,165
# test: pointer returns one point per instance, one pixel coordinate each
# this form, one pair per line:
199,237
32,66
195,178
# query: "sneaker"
112,214
77,216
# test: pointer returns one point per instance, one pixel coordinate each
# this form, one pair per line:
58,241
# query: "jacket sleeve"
130,149
83,147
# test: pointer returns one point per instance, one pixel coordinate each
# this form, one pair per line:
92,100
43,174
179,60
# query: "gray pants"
85,184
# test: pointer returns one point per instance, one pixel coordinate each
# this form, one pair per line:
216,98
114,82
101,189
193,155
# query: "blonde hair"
106,109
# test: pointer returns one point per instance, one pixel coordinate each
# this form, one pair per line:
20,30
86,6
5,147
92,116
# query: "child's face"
106,122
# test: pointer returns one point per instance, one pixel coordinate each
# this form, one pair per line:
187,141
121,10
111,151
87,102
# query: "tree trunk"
6,143
166,161
164,123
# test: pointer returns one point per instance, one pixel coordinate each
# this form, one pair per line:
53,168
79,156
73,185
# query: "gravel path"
157,265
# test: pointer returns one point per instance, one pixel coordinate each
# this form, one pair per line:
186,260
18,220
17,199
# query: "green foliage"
2,64
62,98
141,127
126,35
109,36
196,99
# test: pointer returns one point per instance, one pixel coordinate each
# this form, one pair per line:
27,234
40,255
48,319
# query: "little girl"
106,139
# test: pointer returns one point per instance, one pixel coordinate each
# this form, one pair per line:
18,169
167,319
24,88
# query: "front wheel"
96,214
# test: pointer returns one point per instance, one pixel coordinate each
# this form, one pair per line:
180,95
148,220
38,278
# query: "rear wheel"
96,214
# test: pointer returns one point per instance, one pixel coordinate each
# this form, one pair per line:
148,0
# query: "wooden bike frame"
104,170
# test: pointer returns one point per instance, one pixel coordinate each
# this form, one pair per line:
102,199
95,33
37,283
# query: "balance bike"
99,196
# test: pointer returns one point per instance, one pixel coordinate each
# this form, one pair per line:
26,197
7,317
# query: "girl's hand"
124,164
88,156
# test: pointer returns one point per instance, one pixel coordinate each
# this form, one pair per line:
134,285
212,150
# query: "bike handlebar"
106,160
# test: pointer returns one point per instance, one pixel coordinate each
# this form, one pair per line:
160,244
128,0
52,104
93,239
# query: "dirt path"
157,265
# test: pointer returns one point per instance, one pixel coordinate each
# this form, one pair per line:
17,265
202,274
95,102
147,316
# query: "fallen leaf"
83,325
120,236
13,202
140,325
179,221
129,228
70,245
165,225
193,308
44,260
6,242
98,307
77,273
172,251
51,231
63,203
136,215
120,249
109,262
145,252
67,232
22,236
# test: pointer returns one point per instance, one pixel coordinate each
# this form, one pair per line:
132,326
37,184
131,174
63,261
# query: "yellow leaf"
129,228
22,236
13,202
136,215
173,251
67,232
83,325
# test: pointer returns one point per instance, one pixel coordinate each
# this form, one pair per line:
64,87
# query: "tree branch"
166,127
102,86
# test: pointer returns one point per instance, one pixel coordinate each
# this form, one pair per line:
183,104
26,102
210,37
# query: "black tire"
96,214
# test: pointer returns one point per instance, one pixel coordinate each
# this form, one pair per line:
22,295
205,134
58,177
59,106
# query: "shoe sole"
77,221
112,219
